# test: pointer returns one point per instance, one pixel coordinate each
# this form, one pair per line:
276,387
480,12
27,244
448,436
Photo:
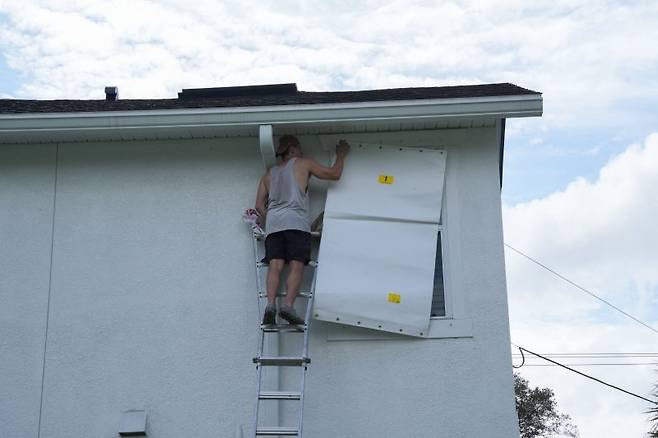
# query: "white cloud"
586,57
597,410
602,235
606,224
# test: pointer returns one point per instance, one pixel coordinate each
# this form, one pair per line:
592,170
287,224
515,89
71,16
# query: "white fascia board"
497,107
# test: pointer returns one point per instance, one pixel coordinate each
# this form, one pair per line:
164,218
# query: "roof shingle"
261,98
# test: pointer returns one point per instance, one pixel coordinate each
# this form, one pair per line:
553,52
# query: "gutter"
22,125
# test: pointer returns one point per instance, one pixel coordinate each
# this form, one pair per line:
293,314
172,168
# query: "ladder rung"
262,236
301,294
282,361
312,264
283,328
280,395
275,431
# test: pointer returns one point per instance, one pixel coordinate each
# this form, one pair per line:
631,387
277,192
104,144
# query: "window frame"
443,234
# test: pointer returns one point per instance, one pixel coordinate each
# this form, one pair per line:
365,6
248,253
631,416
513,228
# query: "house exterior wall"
152,298
397,387
27,178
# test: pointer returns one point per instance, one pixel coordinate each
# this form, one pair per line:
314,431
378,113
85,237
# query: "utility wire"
589,364
581,288
599,355
603,359
50,288
602,353
585,375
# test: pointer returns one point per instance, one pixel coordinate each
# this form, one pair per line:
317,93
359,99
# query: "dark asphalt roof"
261,95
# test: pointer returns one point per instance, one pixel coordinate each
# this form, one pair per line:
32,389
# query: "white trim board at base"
440,328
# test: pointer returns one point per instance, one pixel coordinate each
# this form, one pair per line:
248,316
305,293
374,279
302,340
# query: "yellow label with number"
393,298
386,179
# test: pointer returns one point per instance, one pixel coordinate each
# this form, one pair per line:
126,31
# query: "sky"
580,186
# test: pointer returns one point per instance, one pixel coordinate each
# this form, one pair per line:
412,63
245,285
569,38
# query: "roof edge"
117,123
279,108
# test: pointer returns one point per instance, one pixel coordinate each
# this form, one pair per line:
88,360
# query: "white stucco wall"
27,177
152,300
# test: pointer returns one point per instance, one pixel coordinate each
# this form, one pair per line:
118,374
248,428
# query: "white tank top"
288,204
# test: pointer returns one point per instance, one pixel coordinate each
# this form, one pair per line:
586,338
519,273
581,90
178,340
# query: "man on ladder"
282,199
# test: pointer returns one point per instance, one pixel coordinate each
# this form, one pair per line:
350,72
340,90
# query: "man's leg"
298,249
293,282
273,275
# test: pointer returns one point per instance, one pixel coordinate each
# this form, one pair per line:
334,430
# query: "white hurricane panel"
378,247
390,183
375,278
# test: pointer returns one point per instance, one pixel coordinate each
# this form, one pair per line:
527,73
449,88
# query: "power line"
591,364
581,288
598,355
592,353
582,374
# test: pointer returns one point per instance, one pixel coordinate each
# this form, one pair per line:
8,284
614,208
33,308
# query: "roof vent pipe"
111,94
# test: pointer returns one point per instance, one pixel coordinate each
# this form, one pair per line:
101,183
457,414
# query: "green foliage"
653,433
537,412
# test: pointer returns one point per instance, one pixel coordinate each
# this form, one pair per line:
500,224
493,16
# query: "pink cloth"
252,217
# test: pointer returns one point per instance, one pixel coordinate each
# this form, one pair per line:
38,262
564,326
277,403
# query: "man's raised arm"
334,172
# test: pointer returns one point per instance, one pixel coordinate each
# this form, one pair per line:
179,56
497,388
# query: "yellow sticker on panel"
393,298
386,179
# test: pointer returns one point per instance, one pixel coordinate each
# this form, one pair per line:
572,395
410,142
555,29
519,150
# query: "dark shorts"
288,245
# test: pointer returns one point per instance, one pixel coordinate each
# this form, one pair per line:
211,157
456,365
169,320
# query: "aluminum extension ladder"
302,361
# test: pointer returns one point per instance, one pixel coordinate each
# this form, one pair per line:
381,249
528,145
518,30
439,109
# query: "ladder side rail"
258,385
309,309
261,335
259,289
301,401
307,319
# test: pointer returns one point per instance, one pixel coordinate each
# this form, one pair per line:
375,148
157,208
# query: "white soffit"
245,121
